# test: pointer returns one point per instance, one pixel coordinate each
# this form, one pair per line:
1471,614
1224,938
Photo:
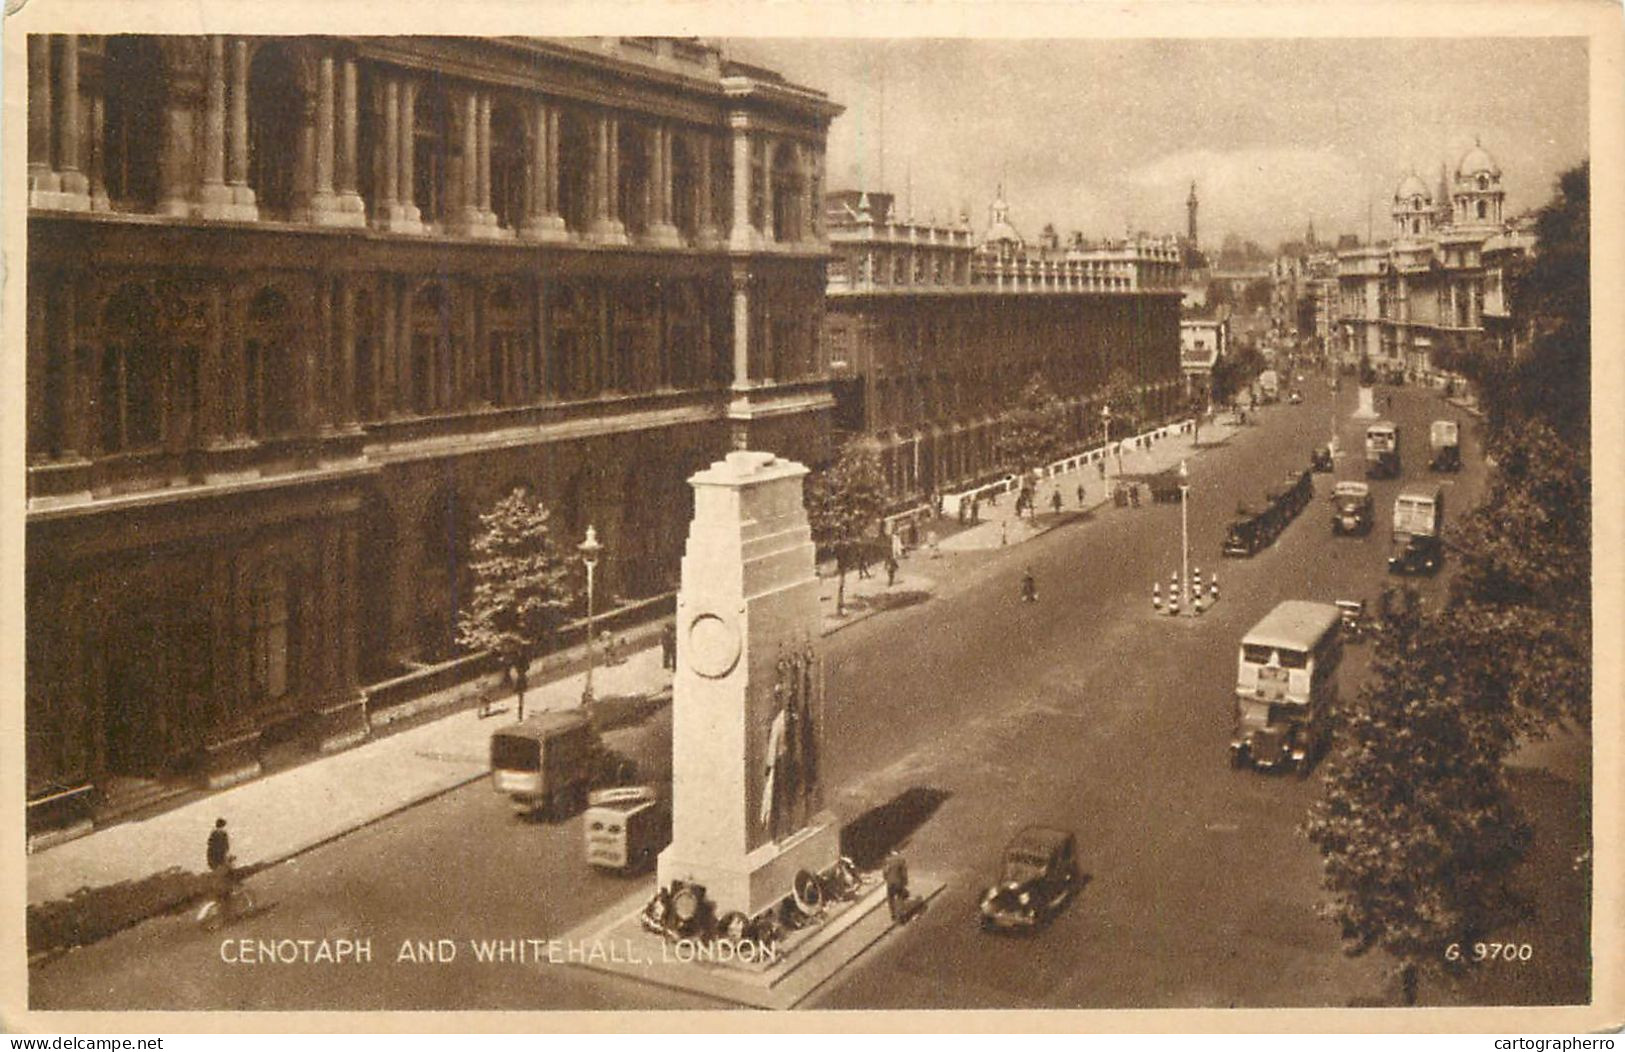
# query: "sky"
1107,135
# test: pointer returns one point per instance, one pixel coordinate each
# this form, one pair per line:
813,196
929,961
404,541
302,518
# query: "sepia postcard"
718,516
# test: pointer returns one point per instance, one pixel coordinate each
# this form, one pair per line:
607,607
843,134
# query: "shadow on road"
867,838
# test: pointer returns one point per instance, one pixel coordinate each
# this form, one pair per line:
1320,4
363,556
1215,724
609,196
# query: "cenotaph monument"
1367,409
747,697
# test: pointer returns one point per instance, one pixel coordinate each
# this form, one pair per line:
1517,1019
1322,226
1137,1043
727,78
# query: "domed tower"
1413,208
1478,196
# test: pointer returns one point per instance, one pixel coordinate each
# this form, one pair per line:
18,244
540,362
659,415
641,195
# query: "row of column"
55,178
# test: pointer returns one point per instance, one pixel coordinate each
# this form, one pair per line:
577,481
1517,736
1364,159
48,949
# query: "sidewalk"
1000,526
280,815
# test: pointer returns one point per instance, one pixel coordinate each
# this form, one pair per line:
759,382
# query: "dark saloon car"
1040,876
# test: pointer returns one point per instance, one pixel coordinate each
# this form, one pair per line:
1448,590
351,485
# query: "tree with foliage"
1524,586
844,505
1034,429
1416,828
1126,402
522,590
1234,371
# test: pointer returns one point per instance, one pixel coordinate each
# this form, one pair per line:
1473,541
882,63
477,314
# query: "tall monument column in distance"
747,707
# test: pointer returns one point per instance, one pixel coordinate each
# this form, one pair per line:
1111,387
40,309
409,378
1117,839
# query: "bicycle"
234,902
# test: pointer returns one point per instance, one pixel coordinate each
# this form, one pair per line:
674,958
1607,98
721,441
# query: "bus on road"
1286,687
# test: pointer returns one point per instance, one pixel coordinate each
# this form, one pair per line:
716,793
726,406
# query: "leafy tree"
1034,429
1416,828
1234,371
1126,402
1554,293
1524,586
844,504
522,590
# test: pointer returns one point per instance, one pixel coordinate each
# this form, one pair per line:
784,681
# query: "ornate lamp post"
589,549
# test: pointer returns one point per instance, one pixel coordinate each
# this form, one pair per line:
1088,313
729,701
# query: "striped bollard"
1213,589
1196,602
1173,601
1156,597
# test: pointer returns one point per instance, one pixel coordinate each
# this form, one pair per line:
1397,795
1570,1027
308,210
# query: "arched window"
133,86
508,196
271,367
431,350
431,148
635,181
575,170
276,119
129,401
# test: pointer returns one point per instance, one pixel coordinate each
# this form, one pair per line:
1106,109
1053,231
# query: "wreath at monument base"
683,911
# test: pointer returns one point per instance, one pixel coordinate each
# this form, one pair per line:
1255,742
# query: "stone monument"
747,698
1367,409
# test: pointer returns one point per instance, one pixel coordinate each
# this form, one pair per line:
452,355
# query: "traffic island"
776,975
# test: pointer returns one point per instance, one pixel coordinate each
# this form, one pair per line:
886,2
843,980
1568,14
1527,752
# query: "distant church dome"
1412,188
999,228
1477,160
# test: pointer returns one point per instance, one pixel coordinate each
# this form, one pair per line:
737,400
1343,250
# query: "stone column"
75,188
467,216
387,203
211,394
741,347
350,203
242,195
483,153
98,153
661,230
215,198
706,233
408,131
769,234
42,177
175,188
607,228
744,237
542,221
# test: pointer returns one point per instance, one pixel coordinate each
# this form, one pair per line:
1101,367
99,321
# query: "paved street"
953,722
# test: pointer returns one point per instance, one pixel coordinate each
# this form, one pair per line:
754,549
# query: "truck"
1418,521
1269,386
1382,450
625,828
1444,437
548,763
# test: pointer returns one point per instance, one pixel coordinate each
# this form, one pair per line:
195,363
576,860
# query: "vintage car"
1040,876
1294,397
1352,508
1321,459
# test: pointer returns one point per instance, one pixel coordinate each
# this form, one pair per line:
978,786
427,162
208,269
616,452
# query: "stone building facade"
299,309
932,331
1440,276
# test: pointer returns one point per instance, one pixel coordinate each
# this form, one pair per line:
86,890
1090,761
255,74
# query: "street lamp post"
1185,538
589,549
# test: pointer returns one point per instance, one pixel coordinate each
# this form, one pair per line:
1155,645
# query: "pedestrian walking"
668,645
1055,501
975,511
891,570
1004,531
1134,494
1029,586
520,678
1100,466
218,855
1080,494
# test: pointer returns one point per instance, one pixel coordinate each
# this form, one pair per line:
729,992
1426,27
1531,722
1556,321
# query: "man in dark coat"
896,873
219,852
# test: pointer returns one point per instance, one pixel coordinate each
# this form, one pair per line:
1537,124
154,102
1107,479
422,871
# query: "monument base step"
806,959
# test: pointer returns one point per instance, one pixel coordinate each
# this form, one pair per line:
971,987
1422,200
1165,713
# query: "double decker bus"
1286,687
